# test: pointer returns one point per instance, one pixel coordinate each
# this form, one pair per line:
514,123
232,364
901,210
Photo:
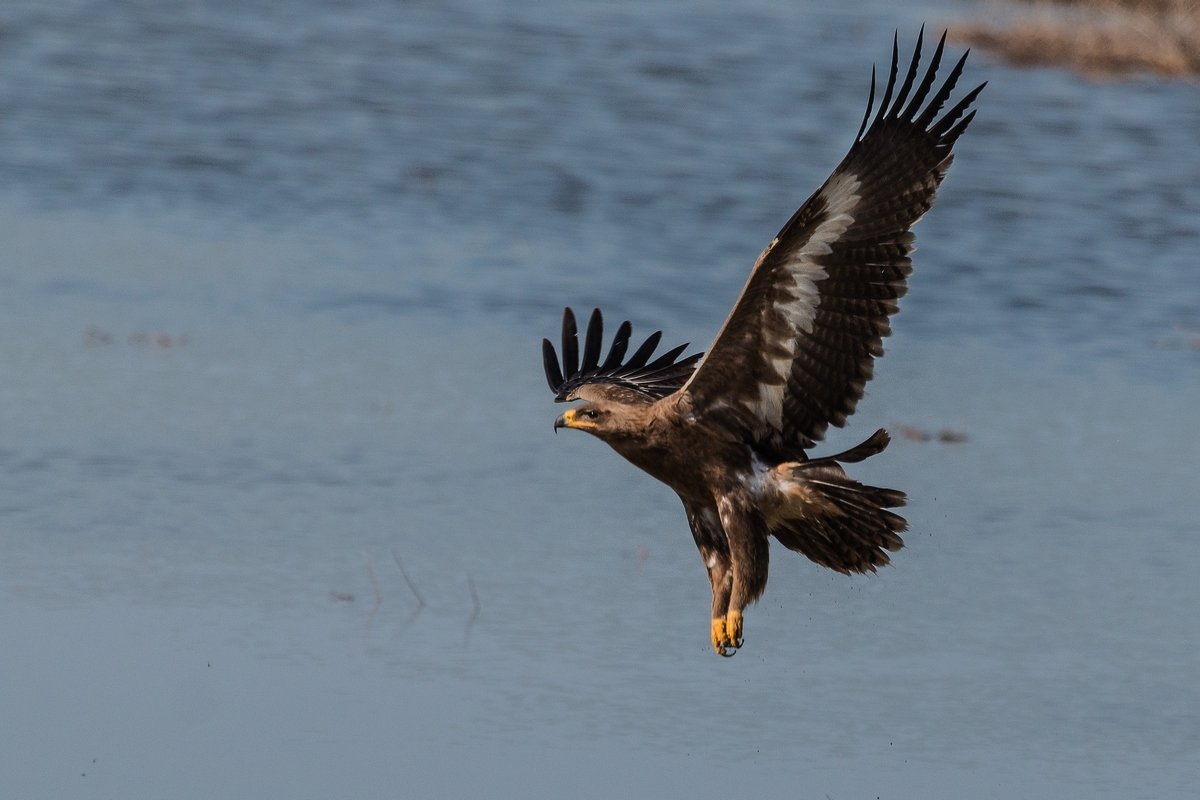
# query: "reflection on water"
272,290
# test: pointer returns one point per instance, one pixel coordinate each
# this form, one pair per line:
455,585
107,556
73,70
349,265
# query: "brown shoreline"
1100,38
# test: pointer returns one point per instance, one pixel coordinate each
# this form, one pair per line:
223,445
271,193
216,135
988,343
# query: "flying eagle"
729,431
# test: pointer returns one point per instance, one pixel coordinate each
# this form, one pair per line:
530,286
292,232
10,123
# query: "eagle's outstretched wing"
653,379
796,351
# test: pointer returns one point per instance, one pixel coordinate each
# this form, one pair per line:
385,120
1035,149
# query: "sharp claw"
733,628
721,639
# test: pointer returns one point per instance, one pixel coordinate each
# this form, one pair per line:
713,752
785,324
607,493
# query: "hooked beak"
565,419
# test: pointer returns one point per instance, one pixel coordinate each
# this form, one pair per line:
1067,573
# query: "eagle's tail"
873,446
818,510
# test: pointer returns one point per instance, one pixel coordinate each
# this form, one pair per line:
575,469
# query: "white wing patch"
798,302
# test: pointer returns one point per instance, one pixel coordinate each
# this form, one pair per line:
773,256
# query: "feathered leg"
714,551
720,575
748,558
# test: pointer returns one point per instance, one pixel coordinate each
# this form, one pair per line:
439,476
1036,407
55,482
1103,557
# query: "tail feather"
833,519
873,446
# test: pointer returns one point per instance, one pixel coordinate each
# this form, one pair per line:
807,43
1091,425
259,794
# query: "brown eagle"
729,431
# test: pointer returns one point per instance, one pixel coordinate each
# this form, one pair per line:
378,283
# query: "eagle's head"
615,395
616,392
607,411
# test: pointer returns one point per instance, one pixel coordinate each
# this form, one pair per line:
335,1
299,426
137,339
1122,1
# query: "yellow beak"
569,419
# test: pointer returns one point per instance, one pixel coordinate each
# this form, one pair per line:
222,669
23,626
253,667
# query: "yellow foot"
733,628
727,633
720,639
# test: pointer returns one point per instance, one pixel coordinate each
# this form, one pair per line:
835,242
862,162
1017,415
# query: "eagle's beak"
562,421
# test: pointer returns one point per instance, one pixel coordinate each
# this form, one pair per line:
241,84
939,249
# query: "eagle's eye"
590,413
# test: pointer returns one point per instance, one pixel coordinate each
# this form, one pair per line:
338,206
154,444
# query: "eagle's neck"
671,447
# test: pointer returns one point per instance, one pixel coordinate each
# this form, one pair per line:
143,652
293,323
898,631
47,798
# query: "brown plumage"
728,432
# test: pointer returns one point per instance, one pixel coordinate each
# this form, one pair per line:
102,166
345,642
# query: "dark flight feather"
655,379
796,352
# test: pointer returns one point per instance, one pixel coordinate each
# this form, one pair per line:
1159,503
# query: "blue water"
271,291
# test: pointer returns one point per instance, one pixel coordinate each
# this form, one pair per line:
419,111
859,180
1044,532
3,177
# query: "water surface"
272,288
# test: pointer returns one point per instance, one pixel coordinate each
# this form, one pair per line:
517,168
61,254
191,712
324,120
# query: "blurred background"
282,513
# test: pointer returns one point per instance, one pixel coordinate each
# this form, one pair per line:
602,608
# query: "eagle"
730,430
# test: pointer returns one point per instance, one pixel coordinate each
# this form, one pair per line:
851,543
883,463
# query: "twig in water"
374,589
412,587
475,607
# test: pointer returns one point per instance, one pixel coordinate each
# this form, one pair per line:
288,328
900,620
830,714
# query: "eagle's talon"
733,629
724,644
719,637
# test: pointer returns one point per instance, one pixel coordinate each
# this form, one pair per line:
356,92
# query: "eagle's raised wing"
796,351
654,379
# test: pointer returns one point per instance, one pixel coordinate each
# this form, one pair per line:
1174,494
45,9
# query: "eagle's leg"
721,578
748,558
